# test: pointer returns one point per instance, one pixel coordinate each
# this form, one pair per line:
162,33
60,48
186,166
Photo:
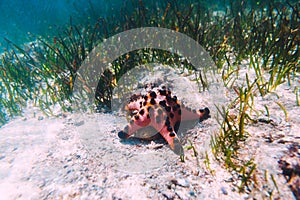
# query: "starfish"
162,111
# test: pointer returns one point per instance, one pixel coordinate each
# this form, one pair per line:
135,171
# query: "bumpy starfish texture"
164,112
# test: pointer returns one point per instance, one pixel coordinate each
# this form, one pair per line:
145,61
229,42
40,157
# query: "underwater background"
41,17
254,44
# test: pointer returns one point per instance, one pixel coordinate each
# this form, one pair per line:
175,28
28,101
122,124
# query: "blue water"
19,18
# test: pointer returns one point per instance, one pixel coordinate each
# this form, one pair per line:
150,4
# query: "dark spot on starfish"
205,115
153,94
176,126
145,103
168,108
170,128
148,116
159,111
152,101
174,98
172,134
207,110
163,92
162,103
131,121
150,109
136,117
146,98
163,87
142,112
167,123
179,112
158,119
174,108
201,110
169,98
172,115
123,135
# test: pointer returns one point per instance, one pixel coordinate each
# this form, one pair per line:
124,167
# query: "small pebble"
80,123
182,194
192,193
69,159
224,191
181,182
2,157
40,118
78,156
168,195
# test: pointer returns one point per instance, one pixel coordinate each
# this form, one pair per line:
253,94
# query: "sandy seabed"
80,156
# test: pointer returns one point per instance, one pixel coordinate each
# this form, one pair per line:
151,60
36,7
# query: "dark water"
20,18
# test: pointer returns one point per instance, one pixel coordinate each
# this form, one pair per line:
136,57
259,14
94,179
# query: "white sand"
80,156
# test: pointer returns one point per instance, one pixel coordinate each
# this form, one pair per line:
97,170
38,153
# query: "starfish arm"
165,127
172,139
135,105
137,122
193,114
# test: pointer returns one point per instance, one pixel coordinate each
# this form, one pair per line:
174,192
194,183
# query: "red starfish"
163,112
